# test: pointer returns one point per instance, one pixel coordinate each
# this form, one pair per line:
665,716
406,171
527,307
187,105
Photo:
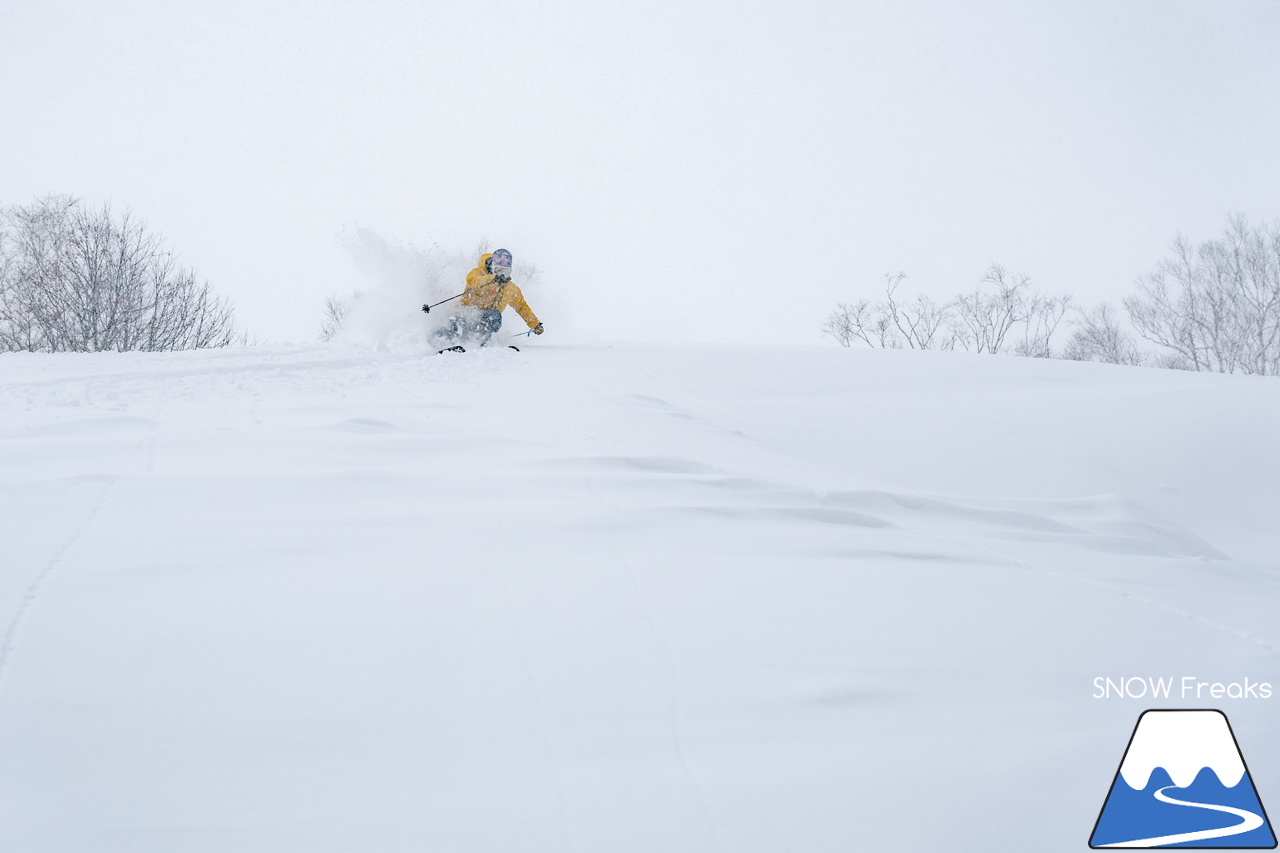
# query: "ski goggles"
501,258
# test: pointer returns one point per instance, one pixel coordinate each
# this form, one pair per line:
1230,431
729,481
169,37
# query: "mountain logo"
1183,783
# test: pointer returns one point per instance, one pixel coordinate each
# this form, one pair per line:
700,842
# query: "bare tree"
892,323
846,322
336,309
922,323
1003,305
528,274
1216,306
1210,307
1097,336
1042,317
984,318
1000,315
87,281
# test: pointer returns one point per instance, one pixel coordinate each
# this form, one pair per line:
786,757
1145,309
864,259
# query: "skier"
489,291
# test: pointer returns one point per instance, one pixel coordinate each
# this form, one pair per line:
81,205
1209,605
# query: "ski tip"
514,347
451,349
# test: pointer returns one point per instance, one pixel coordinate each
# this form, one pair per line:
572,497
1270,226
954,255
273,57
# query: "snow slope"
612,598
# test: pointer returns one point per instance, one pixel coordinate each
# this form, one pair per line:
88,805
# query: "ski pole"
426,309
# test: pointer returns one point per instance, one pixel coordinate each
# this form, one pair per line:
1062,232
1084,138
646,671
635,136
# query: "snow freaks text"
1186,687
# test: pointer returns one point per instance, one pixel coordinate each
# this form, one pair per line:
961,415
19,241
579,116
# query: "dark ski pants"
472,329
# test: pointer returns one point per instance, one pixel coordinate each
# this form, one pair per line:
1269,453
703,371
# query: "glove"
537,330
502,279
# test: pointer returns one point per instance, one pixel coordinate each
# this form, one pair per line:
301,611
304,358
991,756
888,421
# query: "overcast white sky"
681,170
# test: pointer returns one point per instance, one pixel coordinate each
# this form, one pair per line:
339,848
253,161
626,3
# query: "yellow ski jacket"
485,293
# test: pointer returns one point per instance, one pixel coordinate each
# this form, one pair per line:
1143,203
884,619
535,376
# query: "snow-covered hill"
613,598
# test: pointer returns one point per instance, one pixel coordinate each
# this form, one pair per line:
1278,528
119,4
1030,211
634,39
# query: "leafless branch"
80,280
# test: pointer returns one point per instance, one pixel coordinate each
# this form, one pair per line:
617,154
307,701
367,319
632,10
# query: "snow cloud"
399,278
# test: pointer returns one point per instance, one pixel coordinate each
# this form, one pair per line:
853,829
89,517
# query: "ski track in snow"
671,662
33,590
538,687
145,450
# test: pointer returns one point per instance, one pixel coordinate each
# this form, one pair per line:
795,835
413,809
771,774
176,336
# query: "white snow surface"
612,598
1183,743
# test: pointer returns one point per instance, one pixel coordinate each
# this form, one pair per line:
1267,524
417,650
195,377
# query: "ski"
463,349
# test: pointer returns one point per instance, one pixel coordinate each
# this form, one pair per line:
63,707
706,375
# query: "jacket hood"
484,259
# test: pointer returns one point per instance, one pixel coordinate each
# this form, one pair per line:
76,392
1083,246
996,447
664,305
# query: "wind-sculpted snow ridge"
332,598
1108,523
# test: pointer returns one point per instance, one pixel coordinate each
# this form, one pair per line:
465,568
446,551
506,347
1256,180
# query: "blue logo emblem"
1183,783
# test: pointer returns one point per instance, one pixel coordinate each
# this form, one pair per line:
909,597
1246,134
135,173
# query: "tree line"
75,279
1214,306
